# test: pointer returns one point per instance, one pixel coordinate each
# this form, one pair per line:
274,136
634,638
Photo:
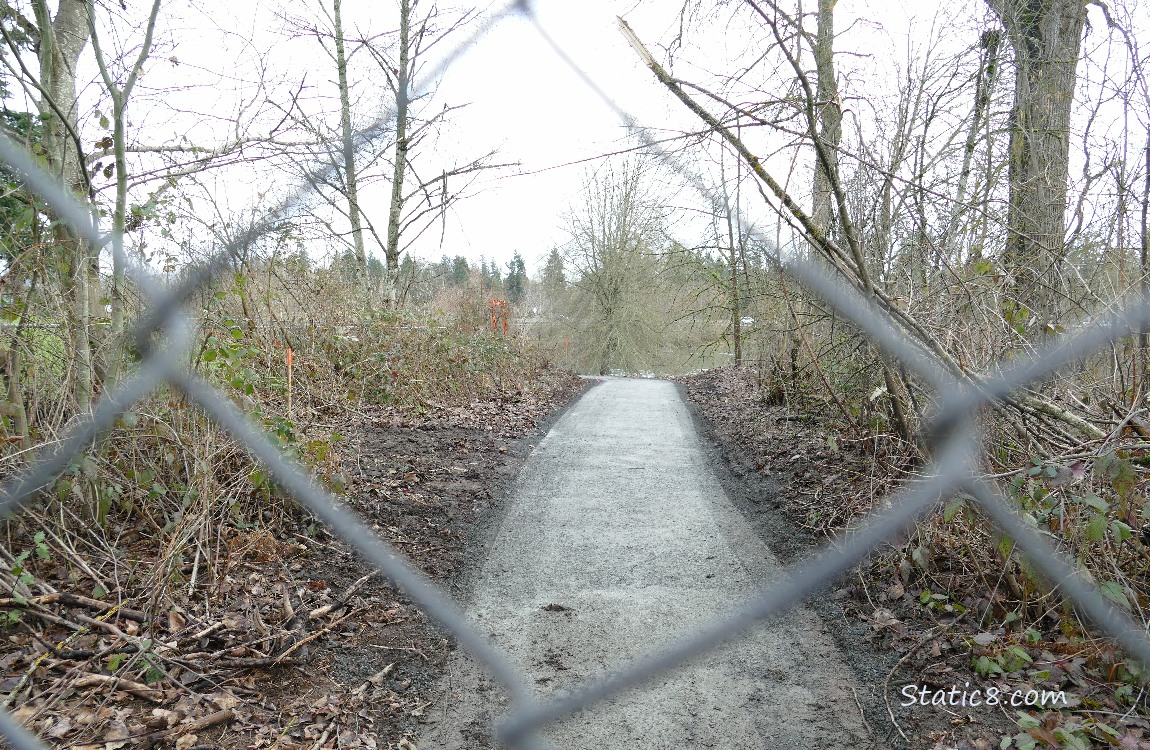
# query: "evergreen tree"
554,276
460,271
516,283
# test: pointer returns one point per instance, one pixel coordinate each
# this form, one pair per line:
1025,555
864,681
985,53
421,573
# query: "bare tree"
847,258
120,93
1046,38
829,114
385,152
349,170
59,40
615,237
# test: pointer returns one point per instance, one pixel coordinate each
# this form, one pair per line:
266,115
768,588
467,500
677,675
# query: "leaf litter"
298,644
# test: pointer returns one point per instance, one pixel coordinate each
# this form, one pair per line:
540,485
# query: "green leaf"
1115,593
210,355
986,666
952,510
88,468
1024,741
1106,729
1118,471
1096,528
1069,740
1121,531
1020,653
1096,503
1026,721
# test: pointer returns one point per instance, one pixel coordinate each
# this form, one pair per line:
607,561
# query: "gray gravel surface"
617,539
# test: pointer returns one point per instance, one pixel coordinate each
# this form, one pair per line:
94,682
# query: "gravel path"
618,538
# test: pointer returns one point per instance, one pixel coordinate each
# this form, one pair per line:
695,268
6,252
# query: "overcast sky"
521,98
539,112
542,115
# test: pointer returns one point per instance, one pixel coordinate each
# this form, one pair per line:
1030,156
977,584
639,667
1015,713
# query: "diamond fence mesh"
952,436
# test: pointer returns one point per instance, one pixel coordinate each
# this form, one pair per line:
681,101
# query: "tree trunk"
830,115
62,39
983,86
1144,284
348,146
402,91
1046,36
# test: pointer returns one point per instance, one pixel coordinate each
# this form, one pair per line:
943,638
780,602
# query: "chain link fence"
952,437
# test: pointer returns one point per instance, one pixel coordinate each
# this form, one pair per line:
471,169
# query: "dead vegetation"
953,598
164,590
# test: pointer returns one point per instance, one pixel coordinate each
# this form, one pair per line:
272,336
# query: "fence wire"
952,434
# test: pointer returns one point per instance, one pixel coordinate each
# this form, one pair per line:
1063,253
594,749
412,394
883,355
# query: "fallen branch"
74,600
342,599
326,629
108,682
188,727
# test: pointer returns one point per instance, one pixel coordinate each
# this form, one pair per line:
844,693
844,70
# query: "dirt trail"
618,538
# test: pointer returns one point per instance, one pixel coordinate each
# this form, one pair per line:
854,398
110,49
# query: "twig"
75,600
189,727
137,689
323,737
347,594
862,714
317,634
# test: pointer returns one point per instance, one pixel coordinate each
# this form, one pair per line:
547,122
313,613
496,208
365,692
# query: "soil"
799,480
431,485
297,646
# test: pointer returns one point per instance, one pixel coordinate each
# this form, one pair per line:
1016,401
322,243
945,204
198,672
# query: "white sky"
522,99
528,102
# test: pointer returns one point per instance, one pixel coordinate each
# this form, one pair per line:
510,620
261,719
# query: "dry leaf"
224,701
23,714
60,728
187,741
176,621
883,618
